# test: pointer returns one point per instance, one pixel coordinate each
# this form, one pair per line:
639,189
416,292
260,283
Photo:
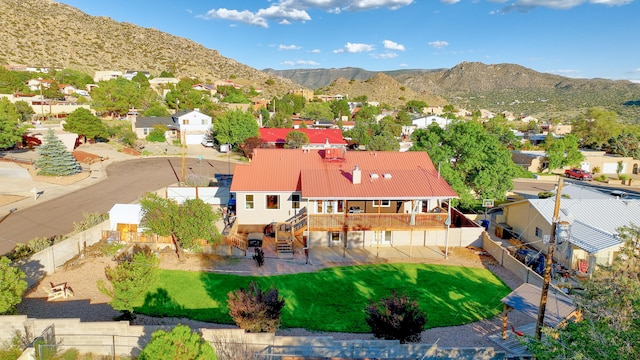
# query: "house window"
185,122
273,201
319,207
538,232
146,131
340,206
381,203
248,201
335,236
424,207
383,237
295,201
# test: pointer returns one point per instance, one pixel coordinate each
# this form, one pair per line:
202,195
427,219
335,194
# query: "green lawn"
334,299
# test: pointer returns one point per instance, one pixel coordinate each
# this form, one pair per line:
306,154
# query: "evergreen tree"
55,159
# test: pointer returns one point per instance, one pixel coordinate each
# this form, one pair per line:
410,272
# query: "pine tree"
55,159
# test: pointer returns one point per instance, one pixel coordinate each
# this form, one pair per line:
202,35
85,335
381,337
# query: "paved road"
126,182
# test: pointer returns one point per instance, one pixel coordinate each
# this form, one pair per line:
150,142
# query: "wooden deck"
355,222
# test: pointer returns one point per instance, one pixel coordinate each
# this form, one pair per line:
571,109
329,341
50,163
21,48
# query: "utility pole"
548,263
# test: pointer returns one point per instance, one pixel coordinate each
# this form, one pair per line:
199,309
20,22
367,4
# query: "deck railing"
341,222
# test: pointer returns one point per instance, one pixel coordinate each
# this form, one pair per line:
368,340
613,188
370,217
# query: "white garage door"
194,138
610,168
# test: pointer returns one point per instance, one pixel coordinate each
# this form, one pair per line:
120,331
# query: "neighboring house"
189,125
426,121
534,160
106,75
318,138
348,199
594,227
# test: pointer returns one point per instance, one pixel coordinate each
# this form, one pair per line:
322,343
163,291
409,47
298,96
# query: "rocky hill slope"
49,34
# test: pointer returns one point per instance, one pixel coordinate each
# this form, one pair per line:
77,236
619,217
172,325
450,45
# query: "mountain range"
49,34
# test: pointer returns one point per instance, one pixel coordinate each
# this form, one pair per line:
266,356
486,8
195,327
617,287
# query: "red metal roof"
316,136
408,175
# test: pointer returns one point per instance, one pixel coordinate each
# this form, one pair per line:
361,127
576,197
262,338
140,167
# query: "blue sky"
573,38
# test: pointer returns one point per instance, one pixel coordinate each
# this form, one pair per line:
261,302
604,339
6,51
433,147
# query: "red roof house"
318,138
343,198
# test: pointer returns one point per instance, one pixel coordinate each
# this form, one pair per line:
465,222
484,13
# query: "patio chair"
58,291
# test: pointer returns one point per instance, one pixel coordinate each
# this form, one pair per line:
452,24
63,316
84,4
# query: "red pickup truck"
578,174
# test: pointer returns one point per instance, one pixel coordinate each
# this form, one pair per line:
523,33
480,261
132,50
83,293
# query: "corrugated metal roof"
596,220
399,175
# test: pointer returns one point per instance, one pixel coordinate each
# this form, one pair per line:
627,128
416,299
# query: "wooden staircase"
287,233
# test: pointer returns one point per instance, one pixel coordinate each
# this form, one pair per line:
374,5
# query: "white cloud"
449,2
300,63
392,45
636,70
289,47
285,12
355,48
387,55
315,51
245,16
438,44
566,72
189,11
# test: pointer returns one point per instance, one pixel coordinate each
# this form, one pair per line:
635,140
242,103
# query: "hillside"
498,87
382,88
48,34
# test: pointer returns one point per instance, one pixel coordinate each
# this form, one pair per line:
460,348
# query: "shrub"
602,178
623,177
157,134
90,220
396,318
255,310
179,343
545,194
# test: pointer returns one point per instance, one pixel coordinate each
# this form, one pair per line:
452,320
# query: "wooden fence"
135,237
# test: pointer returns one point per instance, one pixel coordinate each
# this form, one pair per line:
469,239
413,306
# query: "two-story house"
332,197
190,126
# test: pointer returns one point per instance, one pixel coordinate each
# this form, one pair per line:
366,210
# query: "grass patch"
334,299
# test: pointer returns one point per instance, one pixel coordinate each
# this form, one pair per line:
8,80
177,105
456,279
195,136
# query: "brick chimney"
356,177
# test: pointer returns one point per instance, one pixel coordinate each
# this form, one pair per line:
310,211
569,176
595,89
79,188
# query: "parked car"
207,143
578,174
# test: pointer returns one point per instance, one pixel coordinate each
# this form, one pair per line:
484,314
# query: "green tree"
73,77
596,127
166,74
52,91
186,224
396,318
499,127
82,122
12,286
254,309
24,110
54,158
234,127
141,79
11,130
180,343
317,111
415,106
625,144
610,303
117,96
156,109
474,163
386,141
296,139
129,280
340,108
13,81
562,152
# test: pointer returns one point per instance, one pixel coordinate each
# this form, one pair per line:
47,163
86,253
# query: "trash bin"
485,224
